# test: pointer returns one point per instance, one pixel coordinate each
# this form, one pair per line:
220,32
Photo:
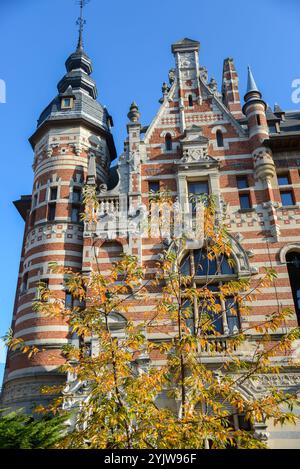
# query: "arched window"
223,312
168,142
293,266
220,140
191,100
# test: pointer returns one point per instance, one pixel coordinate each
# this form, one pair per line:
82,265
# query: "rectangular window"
43,283
216,320
53,193
298,298
67,103
287,198
195,190
32,218
215,317
76,195
198,187
35,200
153,186
242,182
24,285
68,300
75,214
51,212
283,179
245,201
243,423
232,315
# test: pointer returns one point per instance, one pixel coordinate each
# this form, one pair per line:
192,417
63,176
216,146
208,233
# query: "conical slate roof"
251,85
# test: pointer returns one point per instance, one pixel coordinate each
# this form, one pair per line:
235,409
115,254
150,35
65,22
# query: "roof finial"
81,22
251,85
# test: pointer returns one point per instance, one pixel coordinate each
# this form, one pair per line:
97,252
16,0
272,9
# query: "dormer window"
67,103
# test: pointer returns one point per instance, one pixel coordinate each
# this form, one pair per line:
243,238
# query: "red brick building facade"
200,141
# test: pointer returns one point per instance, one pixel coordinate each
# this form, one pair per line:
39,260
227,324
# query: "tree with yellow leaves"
187,389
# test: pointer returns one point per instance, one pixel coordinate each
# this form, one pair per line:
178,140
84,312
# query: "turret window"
76,196
220,139
24,285
68,300
53,193
67,103
191,100
33,218
75,214
258,119
51,211
44,284
35,200
168,142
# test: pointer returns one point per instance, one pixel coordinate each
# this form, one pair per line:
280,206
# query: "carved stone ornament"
194,154
77,149
187,59
134,160
172,75
102,188
195,147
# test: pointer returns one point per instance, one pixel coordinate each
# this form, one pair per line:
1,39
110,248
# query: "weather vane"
81,22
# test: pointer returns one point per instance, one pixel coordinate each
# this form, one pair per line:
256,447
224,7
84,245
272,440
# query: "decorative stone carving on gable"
194,148
187,59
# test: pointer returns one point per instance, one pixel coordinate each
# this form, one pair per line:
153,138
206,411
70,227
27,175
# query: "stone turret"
255,111
72,143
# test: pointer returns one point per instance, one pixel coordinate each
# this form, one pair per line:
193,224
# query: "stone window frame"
219,279
174,143
214,141
183,177
64,106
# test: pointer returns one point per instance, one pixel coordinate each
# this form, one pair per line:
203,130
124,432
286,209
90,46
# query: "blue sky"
129,43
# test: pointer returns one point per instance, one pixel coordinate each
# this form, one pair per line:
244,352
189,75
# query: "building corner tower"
73,129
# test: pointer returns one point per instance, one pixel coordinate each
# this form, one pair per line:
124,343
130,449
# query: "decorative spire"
80,23
251,85
133,114
253,95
